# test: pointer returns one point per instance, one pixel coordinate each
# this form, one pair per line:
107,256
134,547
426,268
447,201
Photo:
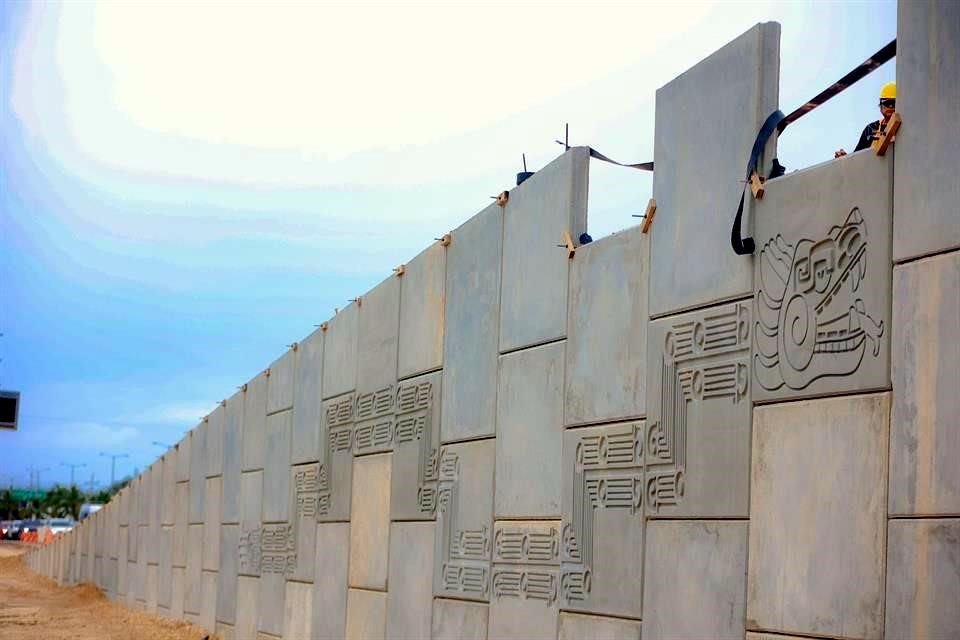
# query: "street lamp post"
73,467
113,463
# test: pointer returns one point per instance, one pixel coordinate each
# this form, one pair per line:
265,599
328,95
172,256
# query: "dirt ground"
35,608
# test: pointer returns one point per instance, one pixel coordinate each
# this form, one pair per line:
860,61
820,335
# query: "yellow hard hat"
888,91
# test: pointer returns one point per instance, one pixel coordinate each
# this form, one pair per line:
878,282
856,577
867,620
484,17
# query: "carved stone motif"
464,512
603,518
270,549
336,457
698,424
812,321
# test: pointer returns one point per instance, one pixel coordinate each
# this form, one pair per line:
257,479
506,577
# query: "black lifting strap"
745,246
777,121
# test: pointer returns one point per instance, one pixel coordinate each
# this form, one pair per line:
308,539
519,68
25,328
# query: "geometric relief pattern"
270,549
525,558
464,553
337,417
812,321
702,360
608,477
400,418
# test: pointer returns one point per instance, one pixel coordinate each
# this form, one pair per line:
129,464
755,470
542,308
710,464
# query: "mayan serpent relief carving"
702,361
811,319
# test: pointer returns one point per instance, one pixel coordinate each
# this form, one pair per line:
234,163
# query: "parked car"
31,526
59,525
89,509
13,531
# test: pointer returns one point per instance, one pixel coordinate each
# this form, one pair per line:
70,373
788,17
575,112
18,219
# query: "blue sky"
185,188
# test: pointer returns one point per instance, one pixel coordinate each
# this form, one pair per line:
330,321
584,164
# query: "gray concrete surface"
421,312
378,336
305,439
533,294
370,522
330,584
254,423
923,579
924,433
607,326
280,382
831,580
340,352
471,336
575,626
410,577
366,615
459,620
927,148
701,148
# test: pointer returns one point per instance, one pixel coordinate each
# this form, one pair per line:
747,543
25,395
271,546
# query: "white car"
60,525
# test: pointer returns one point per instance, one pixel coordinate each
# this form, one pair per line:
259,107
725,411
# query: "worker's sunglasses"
888,103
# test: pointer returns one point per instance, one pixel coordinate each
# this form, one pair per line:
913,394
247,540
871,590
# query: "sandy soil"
35,608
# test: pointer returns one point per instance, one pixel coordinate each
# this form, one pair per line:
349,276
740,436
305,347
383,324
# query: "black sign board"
9,406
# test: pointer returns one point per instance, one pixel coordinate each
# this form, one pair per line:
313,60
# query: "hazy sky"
185,188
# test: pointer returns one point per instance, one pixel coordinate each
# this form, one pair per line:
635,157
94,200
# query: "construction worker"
888,104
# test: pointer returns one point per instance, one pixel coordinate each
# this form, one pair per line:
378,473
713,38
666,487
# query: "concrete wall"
656,438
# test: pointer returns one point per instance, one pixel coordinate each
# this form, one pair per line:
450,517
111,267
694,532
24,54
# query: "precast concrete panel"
298,611
198,472
122,581
307,394
464,520
831,582
330,581
225,631
180,528
183,459
529,432
697,448
607,324
822,303
471,334
706,122
772,636
459,620
271,603
192,586
416,441
411,580
524,602
340,352
155,512
254,423
168,509
280,381
602,535
923,579
165,568
178,592
232,457
378,336
370,522
924,433
144,498
214,440
208,605
227,578
927,148
694,582
336,458
421,312
151,588
366,615
251,506
211,524
248,608
276,471
575,626
552,202
304,498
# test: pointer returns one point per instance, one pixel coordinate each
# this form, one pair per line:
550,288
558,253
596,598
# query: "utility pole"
72,468
35,476
92,484
113,463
